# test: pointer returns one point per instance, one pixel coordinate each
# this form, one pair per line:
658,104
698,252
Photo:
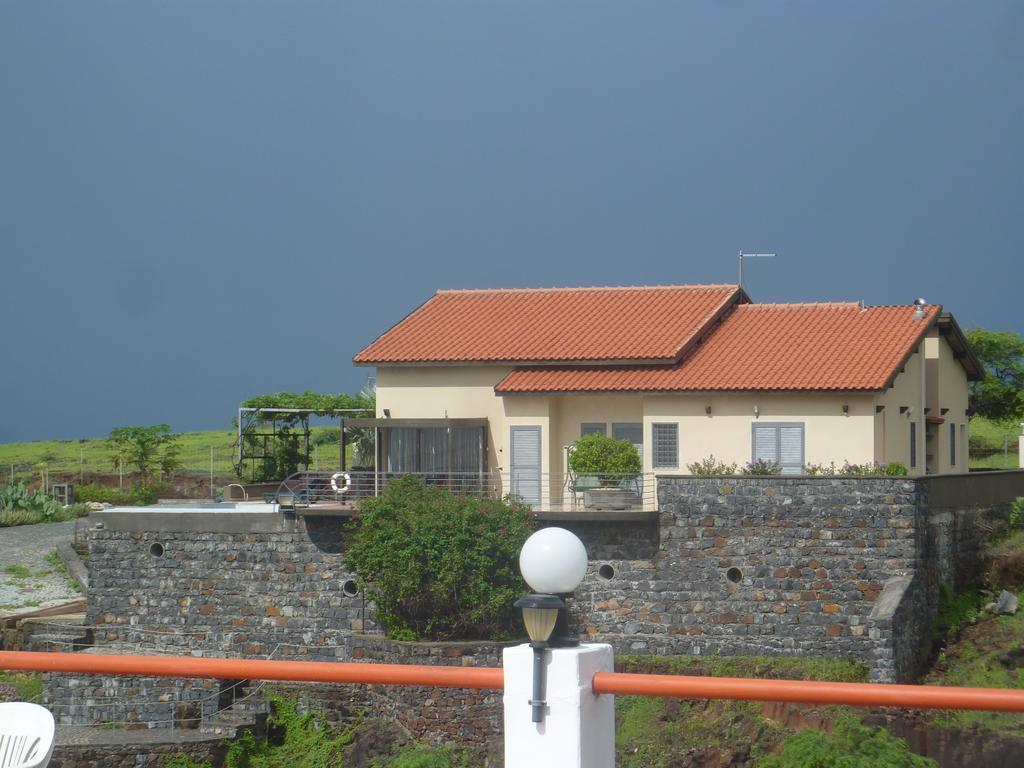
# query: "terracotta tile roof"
628,324
762,347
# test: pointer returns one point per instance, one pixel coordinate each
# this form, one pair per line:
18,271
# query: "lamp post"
553,562
569,725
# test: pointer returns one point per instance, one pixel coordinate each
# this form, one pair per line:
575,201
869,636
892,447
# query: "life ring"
334,481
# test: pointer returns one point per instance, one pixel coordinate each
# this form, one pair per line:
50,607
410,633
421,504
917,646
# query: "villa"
501,383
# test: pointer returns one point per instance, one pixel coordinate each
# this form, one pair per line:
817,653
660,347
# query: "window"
913,444
593,428
963,444
781,443
952,445
632,431
665,446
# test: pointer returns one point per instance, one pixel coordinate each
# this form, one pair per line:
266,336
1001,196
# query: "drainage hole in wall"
156,549
734,575
350,588
606,571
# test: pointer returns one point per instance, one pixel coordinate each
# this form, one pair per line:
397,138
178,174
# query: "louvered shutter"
766,442
791,448
525,472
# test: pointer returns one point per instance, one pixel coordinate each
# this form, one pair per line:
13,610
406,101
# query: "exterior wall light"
553,562
846,410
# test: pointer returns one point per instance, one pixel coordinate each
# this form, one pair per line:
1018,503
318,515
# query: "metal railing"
616,683
544,492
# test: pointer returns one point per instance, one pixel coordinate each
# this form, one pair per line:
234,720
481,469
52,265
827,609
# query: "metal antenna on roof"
751,256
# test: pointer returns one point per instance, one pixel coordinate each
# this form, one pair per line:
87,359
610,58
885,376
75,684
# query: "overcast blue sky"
202,201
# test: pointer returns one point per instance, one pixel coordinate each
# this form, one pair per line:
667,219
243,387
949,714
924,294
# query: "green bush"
20,506
1016,517
761,467
851,745
605,457
421,756
306,742
895,469
140,494
439,566
711,467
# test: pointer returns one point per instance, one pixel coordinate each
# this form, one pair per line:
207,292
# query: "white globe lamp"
553,561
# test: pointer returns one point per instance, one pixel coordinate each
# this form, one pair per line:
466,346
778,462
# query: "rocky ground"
30,574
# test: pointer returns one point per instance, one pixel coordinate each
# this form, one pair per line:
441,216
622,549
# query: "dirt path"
27,580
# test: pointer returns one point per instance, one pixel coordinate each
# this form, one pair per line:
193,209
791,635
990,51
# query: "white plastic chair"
26,735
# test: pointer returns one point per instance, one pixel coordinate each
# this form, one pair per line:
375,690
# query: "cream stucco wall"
830,435
902,404
873,429
948,402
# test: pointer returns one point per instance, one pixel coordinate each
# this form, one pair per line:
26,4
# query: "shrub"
439,566
761,467
605,457
851,745
859,470
140,494
813,470
1016,517
895,469
710,467
20,506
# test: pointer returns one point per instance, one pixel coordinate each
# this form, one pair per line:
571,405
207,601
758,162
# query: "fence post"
578,730
81,466
212,494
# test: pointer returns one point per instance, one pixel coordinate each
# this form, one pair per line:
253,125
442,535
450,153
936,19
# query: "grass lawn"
991,436
92,455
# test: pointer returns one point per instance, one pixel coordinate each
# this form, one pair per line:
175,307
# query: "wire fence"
217,461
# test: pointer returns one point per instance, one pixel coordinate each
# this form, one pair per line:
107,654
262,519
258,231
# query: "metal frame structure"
250,418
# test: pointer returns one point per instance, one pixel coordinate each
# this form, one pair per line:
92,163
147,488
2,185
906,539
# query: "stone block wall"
436,715
130,701
748,565
759,566
278,593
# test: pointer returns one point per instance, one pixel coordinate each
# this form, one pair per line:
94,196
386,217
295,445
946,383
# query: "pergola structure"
260,428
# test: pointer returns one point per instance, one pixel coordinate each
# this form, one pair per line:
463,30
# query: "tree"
1000,395
144,449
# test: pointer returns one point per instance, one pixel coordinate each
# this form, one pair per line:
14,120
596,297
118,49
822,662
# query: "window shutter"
952,445
913,444
765,443
791,451
526,464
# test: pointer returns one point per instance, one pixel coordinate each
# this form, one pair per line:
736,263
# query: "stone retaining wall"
753,565
748,565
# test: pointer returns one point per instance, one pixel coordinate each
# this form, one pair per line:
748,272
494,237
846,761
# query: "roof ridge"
803,305
694,286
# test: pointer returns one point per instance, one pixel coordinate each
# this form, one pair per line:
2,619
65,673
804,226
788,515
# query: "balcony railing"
544,492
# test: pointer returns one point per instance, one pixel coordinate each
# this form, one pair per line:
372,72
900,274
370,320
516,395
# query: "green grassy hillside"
92,455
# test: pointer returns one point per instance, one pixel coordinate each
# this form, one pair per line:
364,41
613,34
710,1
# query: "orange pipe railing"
810,692
679,686
255,669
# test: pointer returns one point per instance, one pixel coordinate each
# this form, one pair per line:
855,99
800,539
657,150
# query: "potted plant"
605,471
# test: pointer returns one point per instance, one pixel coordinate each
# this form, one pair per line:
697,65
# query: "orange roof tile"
762,347
627,324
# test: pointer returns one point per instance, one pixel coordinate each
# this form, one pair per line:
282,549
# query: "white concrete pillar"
1020,448
579,727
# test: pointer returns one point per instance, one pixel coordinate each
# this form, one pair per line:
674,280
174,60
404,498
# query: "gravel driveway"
27,580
